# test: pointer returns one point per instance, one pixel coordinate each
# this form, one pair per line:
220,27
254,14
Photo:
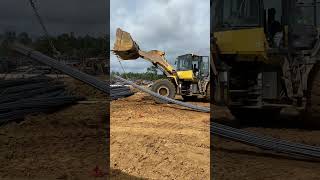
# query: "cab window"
237,13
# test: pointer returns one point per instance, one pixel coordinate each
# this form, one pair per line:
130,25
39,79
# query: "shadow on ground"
223,115
119,175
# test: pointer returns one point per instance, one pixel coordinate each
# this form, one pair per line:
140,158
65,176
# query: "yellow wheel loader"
191,78
266,56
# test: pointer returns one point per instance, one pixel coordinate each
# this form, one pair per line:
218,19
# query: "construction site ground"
68,143
148,140
232,160
158,141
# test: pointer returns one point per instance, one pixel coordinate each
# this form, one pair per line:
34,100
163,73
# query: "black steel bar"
263,142
37,56
191,106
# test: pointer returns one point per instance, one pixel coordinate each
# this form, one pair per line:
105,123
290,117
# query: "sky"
60,16
174,26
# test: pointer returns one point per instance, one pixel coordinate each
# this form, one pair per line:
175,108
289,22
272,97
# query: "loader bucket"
125,47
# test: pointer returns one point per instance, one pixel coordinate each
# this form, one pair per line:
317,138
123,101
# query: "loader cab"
198,66
237,14
244,26
302,23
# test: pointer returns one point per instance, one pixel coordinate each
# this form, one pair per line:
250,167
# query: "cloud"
174,26
79,16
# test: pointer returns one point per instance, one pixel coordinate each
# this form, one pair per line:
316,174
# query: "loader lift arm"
127,49
157,58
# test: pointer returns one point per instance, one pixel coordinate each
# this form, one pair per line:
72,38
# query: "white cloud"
174,26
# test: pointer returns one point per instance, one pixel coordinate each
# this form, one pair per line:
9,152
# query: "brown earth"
79,88
231,160
66,144
157,141
148,140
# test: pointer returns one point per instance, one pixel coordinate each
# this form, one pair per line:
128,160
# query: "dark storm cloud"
60,16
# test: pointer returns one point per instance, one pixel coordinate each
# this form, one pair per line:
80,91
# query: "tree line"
139,76
67,44
150,75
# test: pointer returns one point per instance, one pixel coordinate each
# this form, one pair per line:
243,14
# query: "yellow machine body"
186,75
189,77
243,42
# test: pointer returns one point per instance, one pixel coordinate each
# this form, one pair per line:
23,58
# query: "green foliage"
69,45
139,76
66,44
5,39
152,70
24,38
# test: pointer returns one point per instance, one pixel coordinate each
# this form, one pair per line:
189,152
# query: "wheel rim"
163,91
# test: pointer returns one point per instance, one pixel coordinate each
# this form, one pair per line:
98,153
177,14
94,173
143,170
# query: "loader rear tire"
165,88
208,93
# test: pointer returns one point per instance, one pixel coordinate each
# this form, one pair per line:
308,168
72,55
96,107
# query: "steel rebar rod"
37,56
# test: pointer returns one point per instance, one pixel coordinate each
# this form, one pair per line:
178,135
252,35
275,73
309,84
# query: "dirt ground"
66,144
231,160
154,141
148,141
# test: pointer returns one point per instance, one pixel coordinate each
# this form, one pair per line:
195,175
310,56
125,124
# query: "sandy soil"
232,160
154,141
67,144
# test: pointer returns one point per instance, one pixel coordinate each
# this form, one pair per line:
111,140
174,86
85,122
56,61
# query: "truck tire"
164,87
313,106
208,92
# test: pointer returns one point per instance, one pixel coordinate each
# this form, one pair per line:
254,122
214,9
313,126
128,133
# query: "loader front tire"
164,87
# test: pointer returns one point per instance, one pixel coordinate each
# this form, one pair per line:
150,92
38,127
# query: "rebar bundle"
116,92
264,142
20,97
246,137
120,92
46,60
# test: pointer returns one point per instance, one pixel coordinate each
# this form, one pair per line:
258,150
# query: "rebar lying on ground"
191,106
117,92
253,139
263,142
36,55
20,97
